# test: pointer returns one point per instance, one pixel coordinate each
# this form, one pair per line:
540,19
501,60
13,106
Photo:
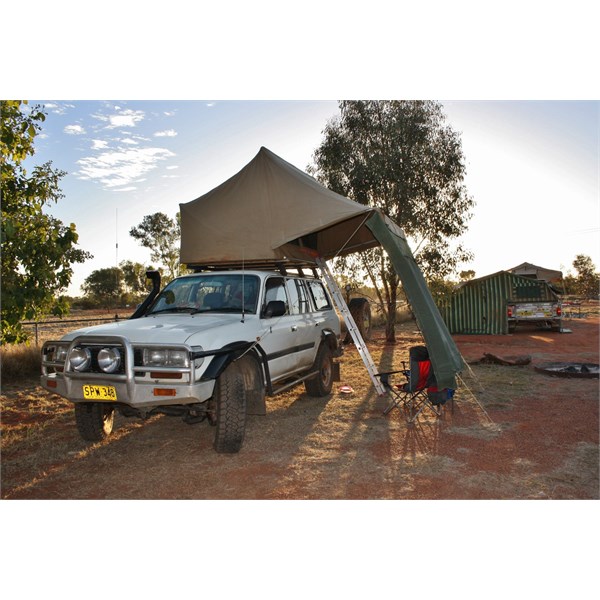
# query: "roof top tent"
273,215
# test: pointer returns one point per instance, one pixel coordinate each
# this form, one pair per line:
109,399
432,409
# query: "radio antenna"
117,236
243,284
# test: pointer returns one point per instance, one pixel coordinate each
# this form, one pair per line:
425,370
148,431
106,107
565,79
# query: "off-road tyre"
230,400
94,420
254,385
360,309
321,384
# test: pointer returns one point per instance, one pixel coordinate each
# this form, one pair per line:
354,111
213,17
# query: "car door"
323,315
304,322
280,334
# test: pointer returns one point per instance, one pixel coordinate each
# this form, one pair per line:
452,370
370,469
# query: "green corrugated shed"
480,306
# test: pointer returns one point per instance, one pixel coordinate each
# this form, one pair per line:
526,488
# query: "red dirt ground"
514,433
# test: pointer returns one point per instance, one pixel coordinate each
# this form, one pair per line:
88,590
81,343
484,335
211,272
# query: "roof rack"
280,266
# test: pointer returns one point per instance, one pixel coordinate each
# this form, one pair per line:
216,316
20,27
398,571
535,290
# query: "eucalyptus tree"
104,286
161,234
403,158
38,250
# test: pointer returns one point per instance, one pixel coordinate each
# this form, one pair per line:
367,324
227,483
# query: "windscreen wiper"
223,309
175,309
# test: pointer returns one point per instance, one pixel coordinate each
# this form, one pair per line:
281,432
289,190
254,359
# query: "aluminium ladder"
350,324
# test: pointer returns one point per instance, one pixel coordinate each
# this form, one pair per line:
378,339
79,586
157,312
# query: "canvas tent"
552,276
272,215
479,306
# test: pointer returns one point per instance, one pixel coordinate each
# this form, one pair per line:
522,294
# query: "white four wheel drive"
209,346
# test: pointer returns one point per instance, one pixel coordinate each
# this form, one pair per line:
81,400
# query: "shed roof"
529,269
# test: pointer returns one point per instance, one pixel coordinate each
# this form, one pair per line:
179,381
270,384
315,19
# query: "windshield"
209,293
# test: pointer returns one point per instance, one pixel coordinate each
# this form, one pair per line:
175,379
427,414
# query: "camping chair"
419,391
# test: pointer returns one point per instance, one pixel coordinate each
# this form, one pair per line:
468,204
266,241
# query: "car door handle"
294,327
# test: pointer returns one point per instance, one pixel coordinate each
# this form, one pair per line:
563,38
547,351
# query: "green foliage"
403,158
38,250
587,282
441,291
160,234
125,285
104,285
134,277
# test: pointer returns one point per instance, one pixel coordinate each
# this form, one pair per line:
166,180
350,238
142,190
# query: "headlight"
56,353
80,358
164,357
177,358
109,359
155,357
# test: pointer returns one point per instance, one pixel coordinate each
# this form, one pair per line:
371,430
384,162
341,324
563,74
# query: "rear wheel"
321,384
360,309
94,420
230,406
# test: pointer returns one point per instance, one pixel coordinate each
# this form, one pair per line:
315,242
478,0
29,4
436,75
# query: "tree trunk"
390,325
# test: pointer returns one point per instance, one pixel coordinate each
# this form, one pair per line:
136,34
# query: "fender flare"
329,337
225,356
231,353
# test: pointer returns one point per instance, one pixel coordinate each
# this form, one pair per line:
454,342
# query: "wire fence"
46,330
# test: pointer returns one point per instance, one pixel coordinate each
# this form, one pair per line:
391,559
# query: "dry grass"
22,361
19,362
54,328
498,386
575,478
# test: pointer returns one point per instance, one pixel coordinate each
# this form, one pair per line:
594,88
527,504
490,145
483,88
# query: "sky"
532,169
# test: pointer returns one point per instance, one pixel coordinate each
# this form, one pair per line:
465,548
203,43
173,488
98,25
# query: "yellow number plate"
99,392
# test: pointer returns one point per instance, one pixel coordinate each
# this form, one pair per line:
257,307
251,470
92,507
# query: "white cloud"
166,133
99,144
173,167
74,130
58,108
125,118
129,141
116,168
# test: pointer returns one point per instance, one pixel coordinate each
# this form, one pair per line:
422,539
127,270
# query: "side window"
298,299
319,296
275,290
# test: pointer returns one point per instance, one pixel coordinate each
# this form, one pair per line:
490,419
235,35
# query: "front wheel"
320,385
229,400
94,420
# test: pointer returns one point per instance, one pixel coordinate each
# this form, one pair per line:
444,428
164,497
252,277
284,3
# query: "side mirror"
275,308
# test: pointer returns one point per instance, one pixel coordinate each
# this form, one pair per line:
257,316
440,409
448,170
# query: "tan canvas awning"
266,213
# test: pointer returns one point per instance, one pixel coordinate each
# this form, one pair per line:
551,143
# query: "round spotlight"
109,359
80,358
